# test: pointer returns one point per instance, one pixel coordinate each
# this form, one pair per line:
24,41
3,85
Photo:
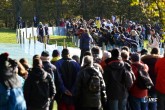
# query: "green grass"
60,41
8,36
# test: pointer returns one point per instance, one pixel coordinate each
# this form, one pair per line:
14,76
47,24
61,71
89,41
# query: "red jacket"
135,91
160,71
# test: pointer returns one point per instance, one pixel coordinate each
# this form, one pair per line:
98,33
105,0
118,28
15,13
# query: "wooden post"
44,41
26,30
55,44
23,38
64,44
20,36
17,36
33,30
34,40
30,39
45,46
52,30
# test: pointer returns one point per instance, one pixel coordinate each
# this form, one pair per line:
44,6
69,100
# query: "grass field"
7,36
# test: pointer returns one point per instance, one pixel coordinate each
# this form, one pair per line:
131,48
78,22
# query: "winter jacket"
39,89
151,60
160,72
11,99
67,69
11,93
50,68
136,91
117,79
85,41
84,97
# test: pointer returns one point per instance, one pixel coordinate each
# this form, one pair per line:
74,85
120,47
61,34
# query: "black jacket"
118,79
39,88
84,98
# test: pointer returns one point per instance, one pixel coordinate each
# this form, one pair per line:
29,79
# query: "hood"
116,64
39,73
150,56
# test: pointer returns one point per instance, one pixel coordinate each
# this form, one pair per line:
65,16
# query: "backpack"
94,81
143,79
39,94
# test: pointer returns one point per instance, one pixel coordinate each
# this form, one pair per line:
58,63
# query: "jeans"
152,104
138,103
161,101
117,104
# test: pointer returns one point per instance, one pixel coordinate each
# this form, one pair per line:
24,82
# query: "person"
24,63
11,94
106,55
118,80
40,32
55,56
39,88
35,21
46,30
144,52
85,43
76,58
51,69
68,70
129,42
160,87
154,40
125,56
96,53
138,96
86,98
151,60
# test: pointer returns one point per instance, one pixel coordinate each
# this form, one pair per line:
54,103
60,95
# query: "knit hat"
55,53
135,57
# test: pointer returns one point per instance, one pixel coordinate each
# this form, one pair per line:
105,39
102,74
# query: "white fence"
27,32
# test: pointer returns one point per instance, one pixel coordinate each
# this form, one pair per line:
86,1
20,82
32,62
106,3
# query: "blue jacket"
68,78
11,99
85,42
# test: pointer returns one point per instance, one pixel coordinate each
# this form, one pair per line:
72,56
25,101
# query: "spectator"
55,56
40,32
125,56
76,58
106,55
154,40
11,94
117,80
138,97
87,99
39,88
68,70
85,44
160,83
24,63
51,69
46,30
144,52
151,60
